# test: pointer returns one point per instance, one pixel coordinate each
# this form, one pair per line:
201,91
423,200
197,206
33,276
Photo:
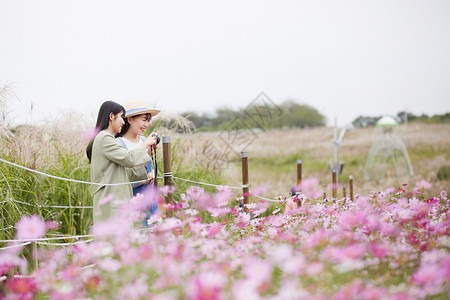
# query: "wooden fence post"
344,190
333,184
299,171
167,167
350,183
245,189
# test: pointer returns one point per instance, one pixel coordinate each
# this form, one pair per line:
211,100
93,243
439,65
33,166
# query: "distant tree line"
366,121
287,115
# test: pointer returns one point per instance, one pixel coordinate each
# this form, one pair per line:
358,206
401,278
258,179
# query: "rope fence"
65,244
66,179
15,246
207,184
48,239
44,206
167,177
3,229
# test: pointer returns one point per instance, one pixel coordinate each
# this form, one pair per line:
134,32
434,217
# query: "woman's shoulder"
104,136
122,141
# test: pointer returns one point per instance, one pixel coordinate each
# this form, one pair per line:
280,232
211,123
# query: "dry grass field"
273,154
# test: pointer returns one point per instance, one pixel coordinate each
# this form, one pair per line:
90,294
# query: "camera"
156,136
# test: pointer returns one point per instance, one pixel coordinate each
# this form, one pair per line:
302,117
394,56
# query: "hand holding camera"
152,142
156,136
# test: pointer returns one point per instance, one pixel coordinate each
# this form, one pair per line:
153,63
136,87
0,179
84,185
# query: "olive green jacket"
109,164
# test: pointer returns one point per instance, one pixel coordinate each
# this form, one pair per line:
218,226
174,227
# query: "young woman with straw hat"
137,119
109,161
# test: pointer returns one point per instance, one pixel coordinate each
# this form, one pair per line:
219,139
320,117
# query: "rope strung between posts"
71,236
208,184
48,206
47,239
168,174
3,229
270,200
65,244
15,246
66,179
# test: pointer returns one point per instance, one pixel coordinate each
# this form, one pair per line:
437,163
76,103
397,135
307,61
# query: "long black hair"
103,121
126,126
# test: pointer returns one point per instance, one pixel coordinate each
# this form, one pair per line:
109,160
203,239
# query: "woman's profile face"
139,124
117,122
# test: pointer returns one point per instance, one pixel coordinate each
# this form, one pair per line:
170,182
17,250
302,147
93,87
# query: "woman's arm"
126,158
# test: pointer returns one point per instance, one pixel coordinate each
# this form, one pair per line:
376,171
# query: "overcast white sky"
345,58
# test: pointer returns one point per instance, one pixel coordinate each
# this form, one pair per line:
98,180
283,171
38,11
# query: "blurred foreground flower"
30,227
370,248
89,134
309,186
423,185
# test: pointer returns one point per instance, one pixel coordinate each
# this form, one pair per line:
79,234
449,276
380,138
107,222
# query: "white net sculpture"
388,156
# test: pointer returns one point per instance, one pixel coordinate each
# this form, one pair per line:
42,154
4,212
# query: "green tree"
298,115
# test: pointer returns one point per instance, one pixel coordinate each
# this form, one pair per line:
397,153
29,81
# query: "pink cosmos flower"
272,232
373,293
389,190
277,220
379,249
206,286
428,273
260,208
167,189
145,252
195,192
30,227
423,185
51,225
348,291
214,229
257,270
170,224
446,267
25,287
71,272
10,260
137,289
242,219
290,206
244,290
315,238
143,201
111,227
221,198
218,212
105,200
260,190
309,187
313,269
89,134
223,188
350,219
353,251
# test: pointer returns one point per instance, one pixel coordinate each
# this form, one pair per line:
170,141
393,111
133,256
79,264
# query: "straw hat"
139,107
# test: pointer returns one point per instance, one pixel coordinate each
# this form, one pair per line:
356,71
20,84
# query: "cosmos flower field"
391,244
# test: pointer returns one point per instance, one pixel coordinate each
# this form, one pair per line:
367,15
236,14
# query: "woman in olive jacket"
109,159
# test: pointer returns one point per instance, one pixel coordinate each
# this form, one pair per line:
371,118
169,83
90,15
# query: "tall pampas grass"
6,95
